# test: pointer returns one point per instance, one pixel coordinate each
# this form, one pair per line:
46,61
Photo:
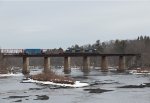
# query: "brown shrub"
52,77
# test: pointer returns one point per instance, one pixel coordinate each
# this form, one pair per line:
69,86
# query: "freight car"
53,51
71,50
90,51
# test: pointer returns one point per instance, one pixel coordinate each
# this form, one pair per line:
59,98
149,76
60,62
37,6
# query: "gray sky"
62,23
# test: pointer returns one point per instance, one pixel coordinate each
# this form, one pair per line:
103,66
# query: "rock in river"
97,90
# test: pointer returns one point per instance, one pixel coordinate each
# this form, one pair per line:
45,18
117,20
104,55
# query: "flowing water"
13,90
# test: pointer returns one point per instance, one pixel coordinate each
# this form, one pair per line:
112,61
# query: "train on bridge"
46,51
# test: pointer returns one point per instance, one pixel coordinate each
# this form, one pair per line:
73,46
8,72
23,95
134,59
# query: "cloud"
54,24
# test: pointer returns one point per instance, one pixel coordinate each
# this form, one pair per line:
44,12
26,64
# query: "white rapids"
77,84
145,72
10,74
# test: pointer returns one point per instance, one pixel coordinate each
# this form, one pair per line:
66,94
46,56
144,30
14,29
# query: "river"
12,89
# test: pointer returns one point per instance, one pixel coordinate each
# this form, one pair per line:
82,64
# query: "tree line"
140,45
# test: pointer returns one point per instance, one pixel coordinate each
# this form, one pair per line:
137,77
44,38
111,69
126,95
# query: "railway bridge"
66,56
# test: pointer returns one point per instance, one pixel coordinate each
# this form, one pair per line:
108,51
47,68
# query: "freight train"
45,51
56,51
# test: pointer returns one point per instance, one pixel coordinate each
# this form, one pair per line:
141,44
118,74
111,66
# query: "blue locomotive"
42,51
32,51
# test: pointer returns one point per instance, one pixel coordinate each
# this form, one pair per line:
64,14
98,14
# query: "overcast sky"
62,23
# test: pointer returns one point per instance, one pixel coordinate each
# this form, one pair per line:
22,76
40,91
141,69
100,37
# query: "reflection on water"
12,90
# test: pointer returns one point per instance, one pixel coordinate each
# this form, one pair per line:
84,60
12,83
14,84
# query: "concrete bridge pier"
104,66
121,64
67,68
46,64
25,69
138,60
86,64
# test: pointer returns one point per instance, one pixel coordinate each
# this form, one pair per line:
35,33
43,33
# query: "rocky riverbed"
104,87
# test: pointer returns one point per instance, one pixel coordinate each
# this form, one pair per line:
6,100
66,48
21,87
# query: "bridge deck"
66,55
